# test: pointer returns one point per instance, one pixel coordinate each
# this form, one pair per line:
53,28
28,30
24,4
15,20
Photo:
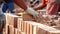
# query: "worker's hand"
32,12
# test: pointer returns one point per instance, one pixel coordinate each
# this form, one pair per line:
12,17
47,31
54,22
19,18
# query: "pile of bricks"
16,25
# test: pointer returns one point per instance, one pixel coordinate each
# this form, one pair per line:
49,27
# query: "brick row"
12,19
28,27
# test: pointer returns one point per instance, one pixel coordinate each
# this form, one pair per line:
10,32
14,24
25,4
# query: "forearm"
29,10
34,2
21,4
39,7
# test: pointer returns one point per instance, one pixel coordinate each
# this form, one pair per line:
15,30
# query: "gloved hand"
32,12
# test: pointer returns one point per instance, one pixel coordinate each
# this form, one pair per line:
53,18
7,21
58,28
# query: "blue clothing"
8,5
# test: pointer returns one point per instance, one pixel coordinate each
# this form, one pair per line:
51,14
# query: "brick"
15,31
25,28
19,32
40,31
5,30
34,29
22,25
27,17
19,24
11,19
28,28
11,29
38,28
31,29
44,29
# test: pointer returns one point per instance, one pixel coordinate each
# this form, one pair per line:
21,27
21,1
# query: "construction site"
24,22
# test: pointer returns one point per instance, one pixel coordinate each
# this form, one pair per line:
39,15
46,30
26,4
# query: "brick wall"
19,26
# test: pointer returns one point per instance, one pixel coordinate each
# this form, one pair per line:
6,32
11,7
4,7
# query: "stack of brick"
11,23
12,19
42,29
17,25
36,28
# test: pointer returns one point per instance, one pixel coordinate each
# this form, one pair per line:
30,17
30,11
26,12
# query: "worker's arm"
22,4
41,5
33,3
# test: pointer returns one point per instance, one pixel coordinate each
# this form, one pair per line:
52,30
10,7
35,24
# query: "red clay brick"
15,31
11,29
28,28
12,19
27,17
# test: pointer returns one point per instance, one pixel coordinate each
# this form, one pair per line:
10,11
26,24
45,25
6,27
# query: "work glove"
32,12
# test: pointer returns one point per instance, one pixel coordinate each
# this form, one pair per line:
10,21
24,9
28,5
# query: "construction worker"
29,10
23,5
52,6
